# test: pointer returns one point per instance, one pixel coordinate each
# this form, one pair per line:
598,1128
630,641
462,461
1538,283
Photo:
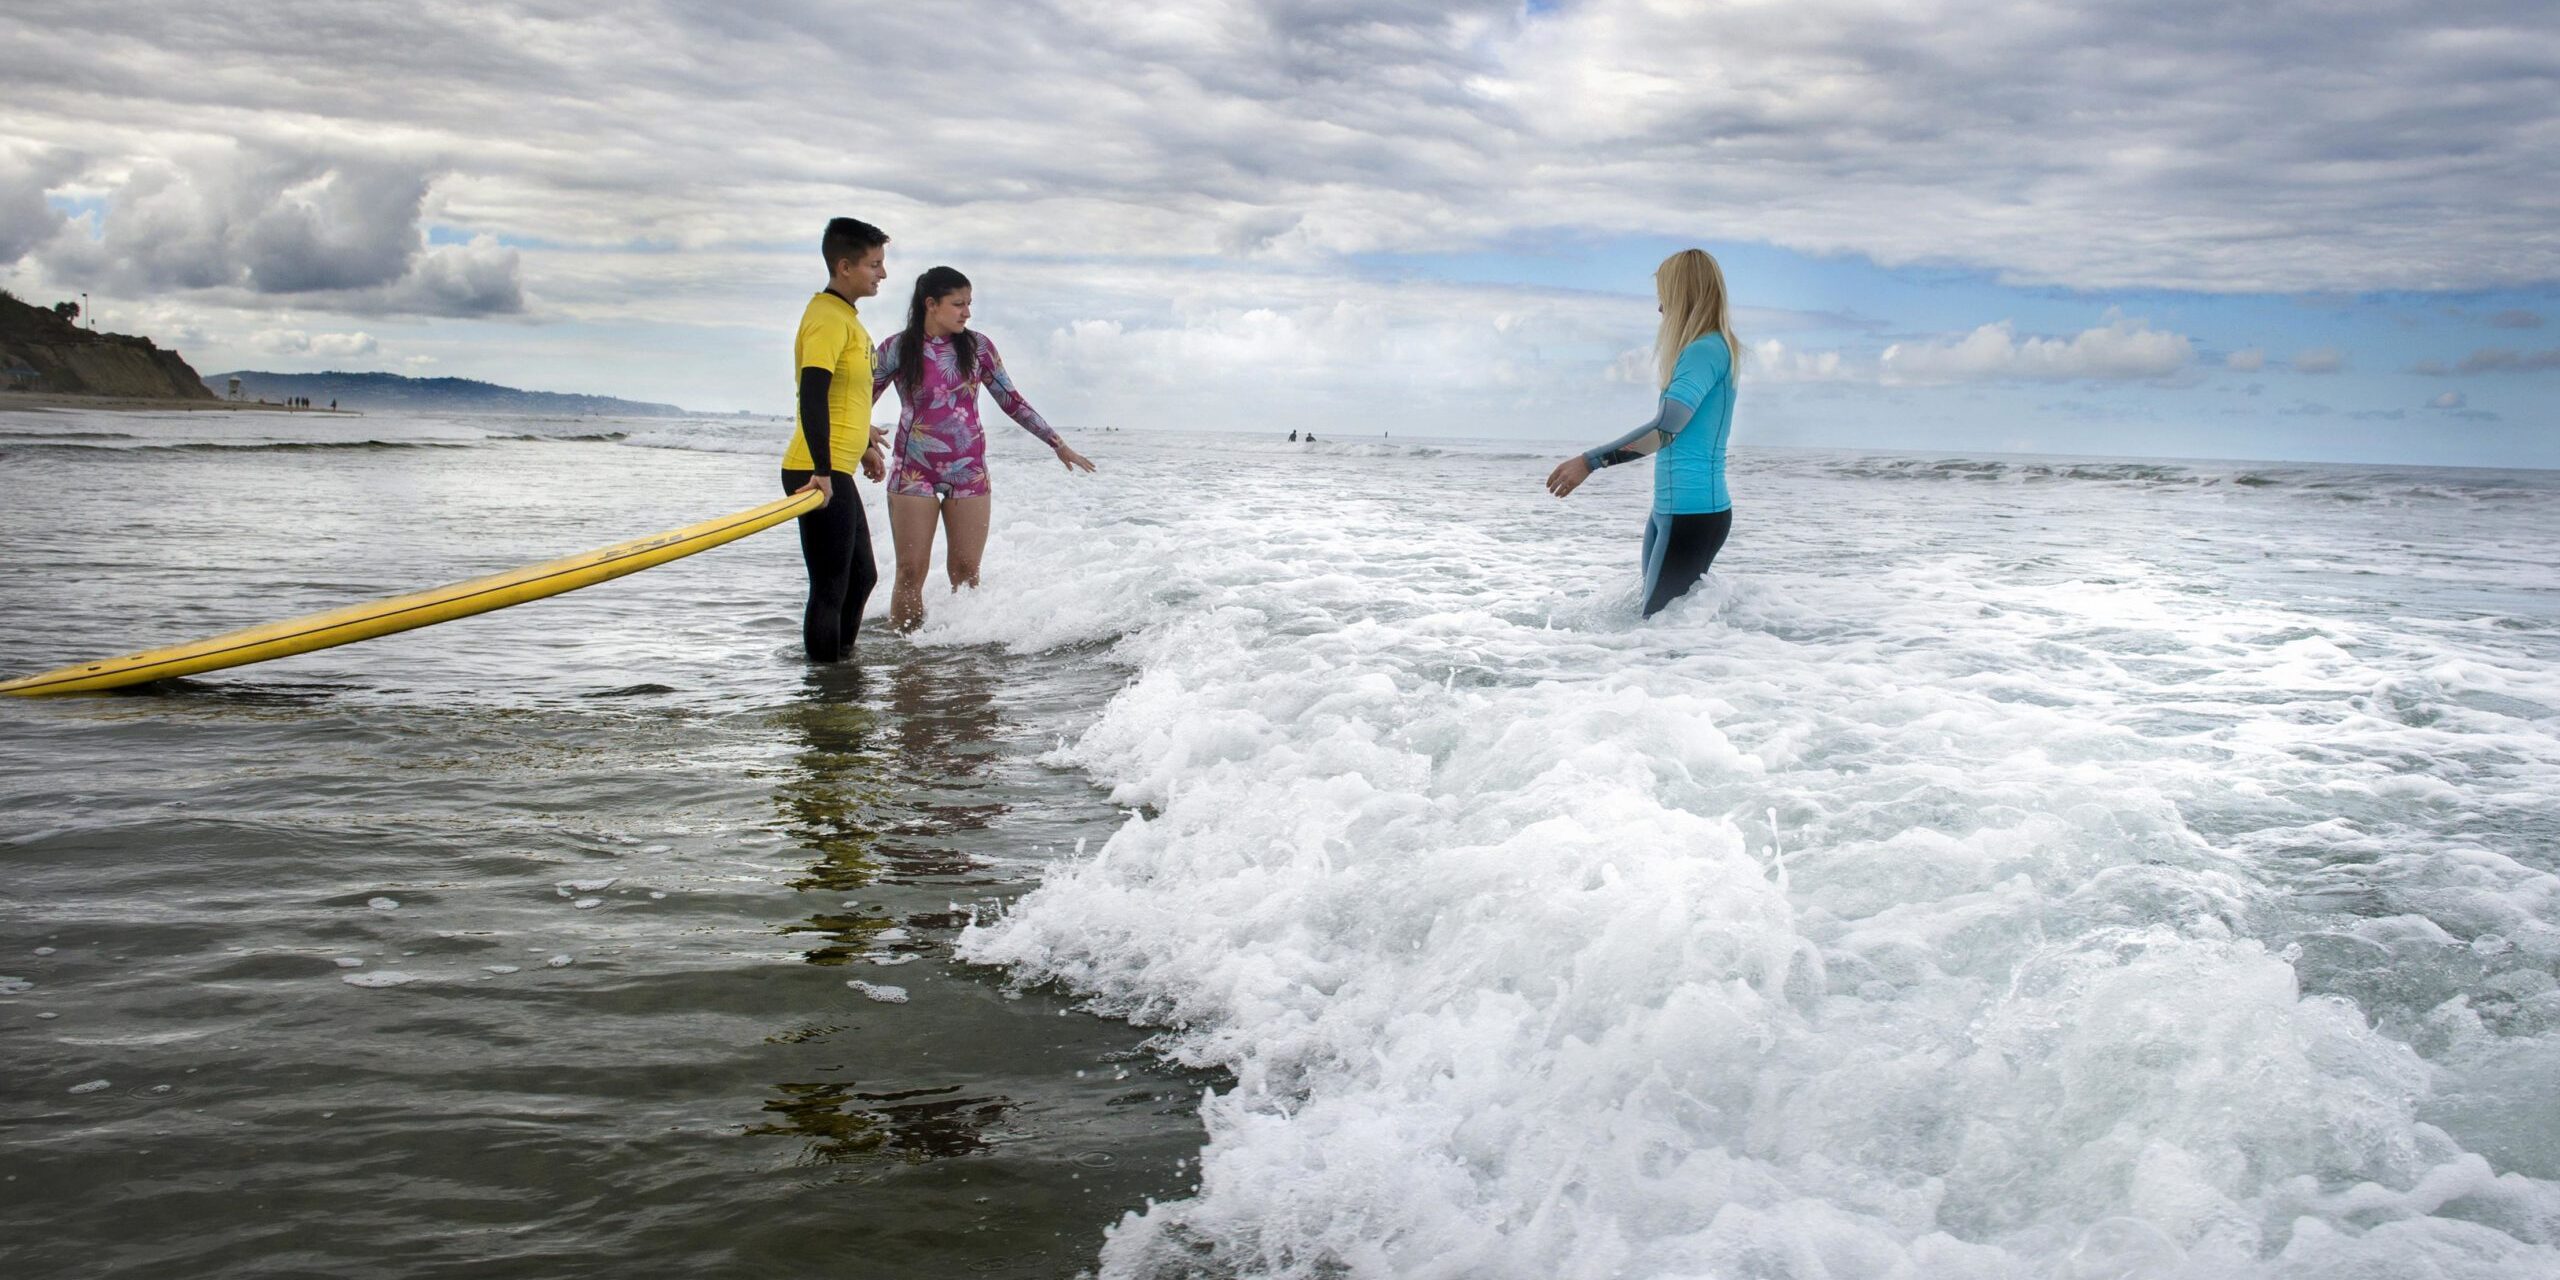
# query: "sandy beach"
42,400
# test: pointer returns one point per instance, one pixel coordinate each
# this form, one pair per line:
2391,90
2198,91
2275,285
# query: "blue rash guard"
1689,431
1692,511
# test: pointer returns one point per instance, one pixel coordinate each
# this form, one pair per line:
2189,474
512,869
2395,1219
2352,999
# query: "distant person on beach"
1695,354
831,360
1293,437
939,365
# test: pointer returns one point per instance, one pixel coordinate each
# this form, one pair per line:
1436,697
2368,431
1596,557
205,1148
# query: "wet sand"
41,400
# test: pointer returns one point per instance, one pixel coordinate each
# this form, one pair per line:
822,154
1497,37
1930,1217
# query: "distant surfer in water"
831,359
940,473
1695,354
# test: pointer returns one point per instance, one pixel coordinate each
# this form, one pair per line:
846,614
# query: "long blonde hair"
1691,287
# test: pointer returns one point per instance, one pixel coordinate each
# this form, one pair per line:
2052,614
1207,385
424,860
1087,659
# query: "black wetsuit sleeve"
1668,419
814,384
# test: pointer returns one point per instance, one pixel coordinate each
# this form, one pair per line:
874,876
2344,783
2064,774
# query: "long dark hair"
936,283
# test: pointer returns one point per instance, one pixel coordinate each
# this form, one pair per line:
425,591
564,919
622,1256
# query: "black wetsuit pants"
1677,551
835,542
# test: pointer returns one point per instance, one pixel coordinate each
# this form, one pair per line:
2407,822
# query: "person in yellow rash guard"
831,361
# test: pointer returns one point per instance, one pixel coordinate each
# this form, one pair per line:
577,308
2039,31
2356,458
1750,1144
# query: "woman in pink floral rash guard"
938,467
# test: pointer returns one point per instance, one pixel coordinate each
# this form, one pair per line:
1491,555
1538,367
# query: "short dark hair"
849,238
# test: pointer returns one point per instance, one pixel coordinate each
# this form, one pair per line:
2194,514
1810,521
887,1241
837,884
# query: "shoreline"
67,400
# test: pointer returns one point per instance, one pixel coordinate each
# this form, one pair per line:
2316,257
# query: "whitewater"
2000,868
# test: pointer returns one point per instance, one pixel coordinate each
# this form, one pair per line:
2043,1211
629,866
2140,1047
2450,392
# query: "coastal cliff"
44,352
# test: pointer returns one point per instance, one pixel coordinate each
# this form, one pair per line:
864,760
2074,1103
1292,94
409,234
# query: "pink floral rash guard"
941,451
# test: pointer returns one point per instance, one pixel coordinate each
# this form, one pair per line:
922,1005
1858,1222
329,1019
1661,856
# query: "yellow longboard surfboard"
417,609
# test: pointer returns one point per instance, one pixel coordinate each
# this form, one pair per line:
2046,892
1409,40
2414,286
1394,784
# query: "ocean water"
2002,867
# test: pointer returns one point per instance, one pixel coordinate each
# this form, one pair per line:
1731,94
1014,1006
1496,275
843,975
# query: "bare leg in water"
966,520
911,521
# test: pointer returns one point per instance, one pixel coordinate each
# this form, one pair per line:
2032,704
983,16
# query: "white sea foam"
875,991
379,978
2141,912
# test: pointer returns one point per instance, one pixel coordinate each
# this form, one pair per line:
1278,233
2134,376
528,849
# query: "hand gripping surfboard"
417,609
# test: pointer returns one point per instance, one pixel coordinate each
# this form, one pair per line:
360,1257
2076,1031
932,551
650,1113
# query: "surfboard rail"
391,615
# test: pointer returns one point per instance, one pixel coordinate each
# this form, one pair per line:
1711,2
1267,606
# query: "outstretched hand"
1568,475
1073,459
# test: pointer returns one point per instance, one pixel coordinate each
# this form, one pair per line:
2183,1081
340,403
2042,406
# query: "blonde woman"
1695,357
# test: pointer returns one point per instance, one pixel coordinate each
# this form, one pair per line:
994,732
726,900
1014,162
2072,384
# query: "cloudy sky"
2274,229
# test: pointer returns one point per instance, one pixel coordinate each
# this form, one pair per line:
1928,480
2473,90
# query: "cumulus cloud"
27,219
478,278
2246,359
344,344
295,342
2319,360
245,223
1774,361
2121,349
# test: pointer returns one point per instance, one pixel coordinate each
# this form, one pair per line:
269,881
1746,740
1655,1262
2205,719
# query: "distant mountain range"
363,391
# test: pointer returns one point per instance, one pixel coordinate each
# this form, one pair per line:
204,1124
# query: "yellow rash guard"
832,338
